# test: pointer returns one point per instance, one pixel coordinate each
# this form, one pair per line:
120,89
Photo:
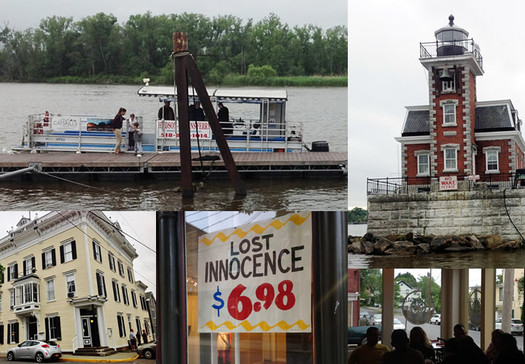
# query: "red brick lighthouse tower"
455,136
452,90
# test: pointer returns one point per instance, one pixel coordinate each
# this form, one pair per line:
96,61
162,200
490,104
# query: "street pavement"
136,361
121,357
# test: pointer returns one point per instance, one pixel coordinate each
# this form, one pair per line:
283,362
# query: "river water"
323,112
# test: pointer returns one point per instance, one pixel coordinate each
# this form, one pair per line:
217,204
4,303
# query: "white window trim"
444,149
11,271
70,244
121,270
112,262
50,328
29,261
488,150
48,251
51,279
443,104
130,275
69,274
421,153
12,323
98,250
114,285
12,298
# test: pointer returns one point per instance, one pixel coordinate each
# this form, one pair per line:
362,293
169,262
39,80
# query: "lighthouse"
455,137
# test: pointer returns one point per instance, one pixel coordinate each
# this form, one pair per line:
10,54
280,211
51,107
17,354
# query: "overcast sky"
385,74
22,15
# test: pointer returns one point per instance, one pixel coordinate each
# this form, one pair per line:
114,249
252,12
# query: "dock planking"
307,164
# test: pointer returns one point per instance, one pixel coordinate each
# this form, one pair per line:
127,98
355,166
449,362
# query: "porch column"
171,287
454,300
488,305
330,286
387,324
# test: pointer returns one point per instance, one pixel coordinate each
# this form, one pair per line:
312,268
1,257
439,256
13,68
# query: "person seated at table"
420,341
371,352
403,353
509,352
465,350
494,346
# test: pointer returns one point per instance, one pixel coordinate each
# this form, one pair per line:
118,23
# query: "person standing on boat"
166,112
224,119
116,124
138,139
131,129
195,112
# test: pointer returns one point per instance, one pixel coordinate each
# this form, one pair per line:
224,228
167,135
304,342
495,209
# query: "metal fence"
466,46
405,185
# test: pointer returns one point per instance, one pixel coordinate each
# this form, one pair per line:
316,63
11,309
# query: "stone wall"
450,212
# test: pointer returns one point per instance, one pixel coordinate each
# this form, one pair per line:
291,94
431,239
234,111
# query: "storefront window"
249,287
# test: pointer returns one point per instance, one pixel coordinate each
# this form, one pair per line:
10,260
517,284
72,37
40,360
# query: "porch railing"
75,344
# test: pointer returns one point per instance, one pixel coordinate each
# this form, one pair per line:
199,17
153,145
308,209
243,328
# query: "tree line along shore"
228,51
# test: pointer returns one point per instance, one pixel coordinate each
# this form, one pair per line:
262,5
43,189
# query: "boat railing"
56,132
241,135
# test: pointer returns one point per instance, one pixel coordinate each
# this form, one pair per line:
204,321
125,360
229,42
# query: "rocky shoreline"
414,244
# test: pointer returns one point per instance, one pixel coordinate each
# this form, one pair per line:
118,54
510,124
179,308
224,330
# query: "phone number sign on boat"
256,278
169,129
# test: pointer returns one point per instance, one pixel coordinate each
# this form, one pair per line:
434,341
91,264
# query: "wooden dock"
253,165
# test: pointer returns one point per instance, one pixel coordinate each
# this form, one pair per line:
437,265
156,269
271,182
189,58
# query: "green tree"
426,285
337,50
57,38
147,43
101,41
270,44
223,46
357,216
371,286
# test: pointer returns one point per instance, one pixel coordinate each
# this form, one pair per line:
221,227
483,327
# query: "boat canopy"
240,95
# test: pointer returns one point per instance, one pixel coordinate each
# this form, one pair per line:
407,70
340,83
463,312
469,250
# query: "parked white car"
398,325
436,319
516,326
35,350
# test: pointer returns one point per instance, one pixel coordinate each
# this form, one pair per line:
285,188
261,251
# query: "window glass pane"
50,290
492,160
423,164
450,159
449,111
68,252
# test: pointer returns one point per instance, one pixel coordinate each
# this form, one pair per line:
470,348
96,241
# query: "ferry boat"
269,132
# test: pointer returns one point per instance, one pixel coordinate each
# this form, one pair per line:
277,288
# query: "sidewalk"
120,357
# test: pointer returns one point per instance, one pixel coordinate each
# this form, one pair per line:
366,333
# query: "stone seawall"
453,212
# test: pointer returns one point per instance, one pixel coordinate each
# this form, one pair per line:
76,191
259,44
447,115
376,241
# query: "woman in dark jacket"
116,124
